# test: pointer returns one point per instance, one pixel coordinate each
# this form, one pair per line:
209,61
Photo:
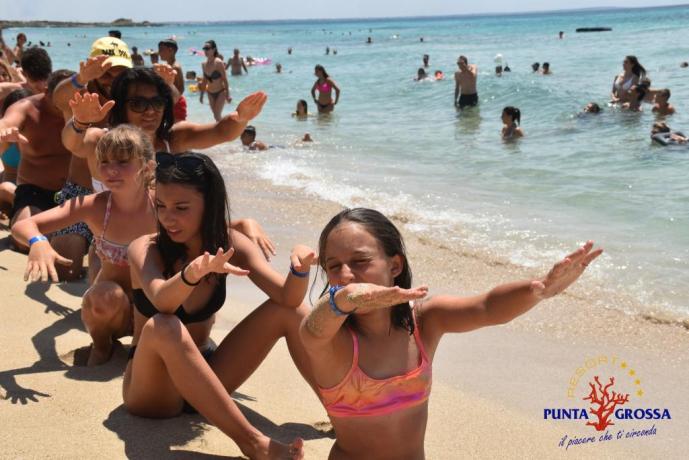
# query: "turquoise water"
401,147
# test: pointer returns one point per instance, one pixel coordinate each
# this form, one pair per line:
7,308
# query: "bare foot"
99,355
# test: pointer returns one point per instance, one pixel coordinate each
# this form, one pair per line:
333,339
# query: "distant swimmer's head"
462,62
535,66
210,48
546,67
37,67
684,65
361,245
660,127
663,96
320,72
439,75
631,64
302,108
511,115
592,107
421,74
235,52
278,68
248,136
142,98
638,92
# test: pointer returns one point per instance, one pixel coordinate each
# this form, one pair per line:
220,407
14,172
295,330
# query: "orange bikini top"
359,395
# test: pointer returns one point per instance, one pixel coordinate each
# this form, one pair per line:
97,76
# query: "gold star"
637,382
623,365
640,392
632,372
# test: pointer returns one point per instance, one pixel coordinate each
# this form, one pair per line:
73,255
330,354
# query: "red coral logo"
605,402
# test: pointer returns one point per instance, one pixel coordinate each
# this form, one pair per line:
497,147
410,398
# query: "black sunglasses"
206,48
141,104
187,162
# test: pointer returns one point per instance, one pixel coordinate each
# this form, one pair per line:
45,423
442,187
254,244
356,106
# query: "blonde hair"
125,143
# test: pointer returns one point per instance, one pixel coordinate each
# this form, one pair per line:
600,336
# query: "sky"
234,10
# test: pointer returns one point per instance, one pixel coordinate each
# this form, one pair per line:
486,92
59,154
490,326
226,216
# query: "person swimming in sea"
511,119
663,135
662,107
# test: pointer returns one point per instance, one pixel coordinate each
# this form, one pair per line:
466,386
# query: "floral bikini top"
359,395
109,251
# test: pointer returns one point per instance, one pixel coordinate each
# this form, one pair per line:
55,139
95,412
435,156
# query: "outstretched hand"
166,72
218,263
302,258
93,67
41,262
565,272
87,109
251,106
12,135
366,297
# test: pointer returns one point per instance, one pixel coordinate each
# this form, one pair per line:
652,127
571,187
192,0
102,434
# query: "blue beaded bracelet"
293,271
75,82
333,306
36,239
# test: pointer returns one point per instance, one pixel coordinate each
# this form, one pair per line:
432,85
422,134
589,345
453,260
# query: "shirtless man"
237,63
167,49
36,124
36,67
465,84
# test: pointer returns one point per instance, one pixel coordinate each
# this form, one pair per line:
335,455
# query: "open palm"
565,272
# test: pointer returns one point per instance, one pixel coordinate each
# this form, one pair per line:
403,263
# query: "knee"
164,329
104,300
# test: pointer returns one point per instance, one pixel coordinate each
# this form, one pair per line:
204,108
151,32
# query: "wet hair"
665,92
304,106
119,92
421,71
514,113
36,64
214,46
206,179
546,65
390,239
463,58
322,69
14,96
637,69
115,33
660,127
593,107
56,77
535,66
125,143
251,131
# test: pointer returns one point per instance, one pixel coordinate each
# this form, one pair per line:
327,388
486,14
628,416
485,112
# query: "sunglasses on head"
187,162
141,104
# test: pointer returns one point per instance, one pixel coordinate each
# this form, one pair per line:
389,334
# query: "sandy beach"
490,386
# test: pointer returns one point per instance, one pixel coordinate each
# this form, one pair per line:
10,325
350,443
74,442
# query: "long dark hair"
214,46
119,92
637,69
198,171
391,240
514,113
322,69
14,96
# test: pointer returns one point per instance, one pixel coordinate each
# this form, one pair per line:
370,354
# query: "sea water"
400,146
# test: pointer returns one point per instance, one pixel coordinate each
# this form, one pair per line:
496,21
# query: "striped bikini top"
359,395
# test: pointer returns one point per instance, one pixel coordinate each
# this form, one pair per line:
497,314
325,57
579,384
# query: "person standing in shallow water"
465,84
236,63
325,86
214,81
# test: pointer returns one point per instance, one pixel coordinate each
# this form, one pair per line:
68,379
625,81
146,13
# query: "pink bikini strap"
107,215
355,342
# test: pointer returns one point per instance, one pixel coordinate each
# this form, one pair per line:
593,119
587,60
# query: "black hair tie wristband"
185,280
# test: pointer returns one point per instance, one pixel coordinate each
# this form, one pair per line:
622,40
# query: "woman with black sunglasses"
142,98
179,280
